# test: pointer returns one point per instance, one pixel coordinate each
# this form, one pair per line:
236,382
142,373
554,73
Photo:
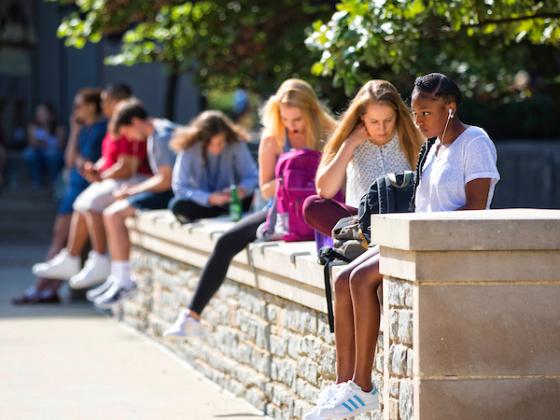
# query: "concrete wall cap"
507,229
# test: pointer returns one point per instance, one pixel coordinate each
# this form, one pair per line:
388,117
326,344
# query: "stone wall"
398,373
274,352
472,304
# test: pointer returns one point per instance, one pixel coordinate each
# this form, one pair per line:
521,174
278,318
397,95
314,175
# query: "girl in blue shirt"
211,157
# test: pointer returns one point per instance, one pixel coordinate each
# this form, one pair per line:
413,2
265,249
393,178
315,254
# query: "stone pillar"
472,314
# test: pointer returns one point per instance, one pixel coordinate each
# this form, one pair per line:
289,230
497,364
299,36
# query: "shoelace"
327,393
343,392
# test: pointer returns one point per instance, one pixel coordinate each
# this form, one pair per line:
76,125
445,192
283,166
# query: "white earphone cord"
449,115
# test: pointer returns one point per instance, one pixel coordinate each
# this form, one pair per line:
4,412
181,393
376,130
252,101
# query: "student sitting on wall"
374,137
292,118
122,162
459,173
212,156
132,121
87,130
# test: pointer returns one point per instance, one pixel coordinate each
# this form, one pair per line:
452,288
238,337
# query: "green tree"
227,44
484,43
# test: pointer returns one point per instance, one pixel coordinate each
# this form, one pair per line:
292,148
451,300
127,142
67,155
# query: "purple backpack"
295,181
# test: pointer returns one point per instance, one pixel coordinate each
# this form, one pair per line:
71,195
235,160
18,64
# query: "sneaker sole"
52,276
79,285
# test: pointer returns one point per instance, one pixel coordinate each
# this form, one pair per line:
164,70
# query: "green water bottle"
234,204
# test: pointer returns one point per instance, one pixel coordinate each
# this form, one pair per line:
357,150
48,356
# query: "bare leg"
367,313
344,320
78,237
96,231
61,230
117,233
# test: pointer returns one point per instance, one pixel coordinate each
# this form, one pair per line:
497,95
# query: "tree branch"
513,19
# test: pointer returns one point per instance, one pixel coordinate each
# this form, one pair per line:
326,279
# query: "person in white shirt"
459,173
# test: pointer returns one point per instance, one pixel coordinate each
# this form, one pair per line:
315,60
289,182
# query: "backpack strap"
383,192
327,258
328,295
422,156
407,179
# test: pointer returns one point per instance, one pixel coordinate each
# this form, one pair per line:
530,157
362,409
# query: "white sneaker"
96,269
328,393
349,401
61,267
313,414
185,326
93,294
323,398
114,294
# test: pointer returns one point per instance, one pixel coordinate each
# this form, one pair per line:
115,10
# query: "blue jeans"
40,160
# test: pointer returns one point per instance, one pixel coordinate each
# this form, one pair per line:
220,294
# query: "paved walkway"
67,362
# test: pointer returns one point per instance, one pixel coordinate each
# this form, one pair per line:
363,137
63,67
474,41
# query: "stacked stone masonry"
468,326
472,307
274,352
398,373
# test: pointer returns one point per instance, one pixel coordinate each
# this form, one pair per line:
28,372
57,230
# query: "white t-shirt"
368,163
442,185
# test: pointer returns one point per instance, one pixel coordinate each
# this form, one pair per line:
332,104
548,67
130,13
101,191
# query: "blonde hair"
377,92
297,93
203,128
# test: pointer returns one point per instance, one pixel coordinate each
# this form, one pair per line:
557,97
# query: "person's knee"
82,203
358,280
342,283
363,279
173,204
184,210
227,244
99,203
311,207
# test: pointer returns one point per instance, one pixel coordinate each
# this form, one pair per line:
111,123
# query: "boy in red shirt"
122,163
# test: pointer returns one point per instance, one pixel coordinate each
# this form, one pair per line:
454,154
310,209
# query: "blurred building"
35,66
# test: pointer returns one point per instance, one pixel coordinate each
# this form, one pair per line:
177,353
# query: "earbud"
450,112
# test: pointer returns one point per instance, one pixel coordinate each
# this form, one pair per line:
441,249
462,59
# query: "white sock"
96,254
72,257
120,270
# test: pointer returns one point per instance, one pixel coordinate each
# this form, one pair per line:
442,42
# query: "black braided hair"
437,85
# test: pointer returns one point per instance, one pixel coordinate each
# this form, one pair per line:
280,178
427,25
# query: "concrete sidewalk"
67,362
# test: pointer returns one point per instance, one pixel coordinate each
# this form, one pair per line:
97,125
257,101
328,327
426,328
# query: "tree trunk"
171,91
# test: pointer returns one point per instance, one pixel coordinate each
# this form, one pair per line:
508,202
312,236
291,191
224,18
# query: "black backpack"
392,193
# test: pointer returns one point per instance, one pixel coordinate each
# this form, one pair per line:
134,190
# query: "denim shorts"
72,191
